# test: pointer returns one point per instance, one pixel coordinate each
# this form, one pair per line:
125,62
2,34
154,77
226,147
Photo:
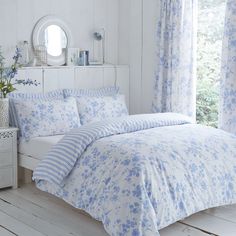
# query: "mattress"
38,147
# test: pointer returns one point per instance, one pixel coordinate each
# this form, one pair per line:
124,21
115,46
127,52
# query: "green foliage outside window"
210,34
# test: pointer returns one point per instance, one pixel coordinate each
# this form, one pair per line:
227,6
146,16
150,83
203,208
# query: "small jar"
84,58
40,55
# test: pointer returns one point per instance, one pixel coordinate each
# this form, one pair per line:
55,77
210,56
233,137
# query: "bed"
141,173
136,174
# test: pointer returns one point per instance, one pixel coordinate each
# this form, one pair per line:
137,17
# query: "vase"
4,112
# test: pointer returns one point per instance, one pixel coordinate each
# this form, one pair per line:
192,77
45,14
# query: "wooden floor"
30,212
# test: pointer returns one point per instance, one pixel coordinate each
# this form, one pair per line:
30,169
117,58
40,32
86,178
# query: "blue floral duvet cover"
141,173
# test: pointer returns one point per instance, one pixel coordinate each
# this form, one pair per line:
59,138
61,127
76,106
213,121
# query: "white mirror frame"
38,32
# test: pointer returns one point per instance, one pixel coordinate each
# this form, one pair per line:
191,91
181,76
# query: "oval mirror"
55,40
53,34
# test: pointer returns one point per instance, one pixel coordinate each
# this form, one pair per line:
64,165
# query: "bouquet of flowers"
7,74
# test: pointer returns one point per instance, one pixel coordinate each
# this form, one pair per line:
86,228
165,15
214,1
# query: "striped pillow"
106,91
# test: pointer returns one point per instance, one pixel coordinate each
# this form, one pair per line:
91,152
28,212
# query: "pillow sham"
38,118
93,109
106,91
57,94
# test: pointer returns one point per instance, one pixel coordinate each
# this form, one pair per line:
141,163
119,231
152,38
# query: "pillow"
57,94
107,91
45,118
93,109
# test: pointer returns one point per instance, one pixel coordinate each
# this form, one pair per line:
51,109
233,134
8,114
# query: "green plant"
210,34
8,73
207,103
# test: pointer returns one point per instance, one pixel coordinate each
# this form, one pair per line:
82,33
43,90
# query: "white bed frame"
27,162
51,78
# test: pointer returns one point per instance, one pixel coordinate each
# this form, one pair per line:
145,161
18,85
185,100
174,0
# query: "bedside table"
8,157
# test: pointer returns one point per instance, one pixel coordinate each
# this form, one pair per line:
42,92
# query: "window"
211,15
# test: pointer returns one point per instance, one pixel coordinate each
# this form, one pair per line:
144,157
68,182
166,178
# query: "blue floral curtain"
227,112
175,89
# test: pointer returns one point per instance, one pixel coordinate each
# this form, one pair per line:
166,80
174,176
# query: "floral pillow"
93,109
44,118
57,94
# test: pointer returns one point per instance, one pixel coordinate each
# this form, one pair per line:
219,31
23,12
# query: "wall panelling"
18,17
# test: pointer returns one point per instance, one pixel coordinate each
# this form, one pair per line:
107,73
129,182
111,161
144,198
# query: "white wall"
130,47
18,17
137,39
130,27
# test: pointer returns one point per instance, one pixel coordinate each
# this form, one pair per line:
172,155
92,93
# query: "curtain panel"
175,80
227,110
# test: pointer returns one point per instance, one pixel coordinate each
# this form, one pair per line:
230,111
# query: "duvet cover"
141,173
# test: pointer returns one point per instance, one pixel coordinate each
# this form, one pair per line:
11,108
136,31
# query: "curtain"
175,80
227,111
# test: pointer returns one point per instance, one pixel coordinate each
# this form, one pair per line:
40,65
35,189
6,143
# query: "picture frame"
72,56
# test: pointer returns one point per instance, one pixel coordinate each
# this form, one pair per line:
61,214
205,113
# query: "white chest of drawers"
8,157
71,77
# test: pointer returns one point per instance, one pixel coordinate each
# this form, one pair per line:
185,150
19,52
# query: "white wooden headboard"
52,78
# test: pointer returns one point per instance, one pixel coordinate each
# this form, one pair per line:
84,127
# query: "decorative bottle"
25,53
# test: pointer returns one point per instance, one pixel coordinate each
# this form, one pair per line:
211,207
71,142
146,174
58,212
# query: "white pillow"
45,118
93,109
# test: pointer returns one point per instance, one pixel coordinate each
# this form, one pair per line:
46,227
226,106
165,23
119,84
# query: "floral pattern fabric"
227,113
57,94
44,118
93,109
175,89
139,182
